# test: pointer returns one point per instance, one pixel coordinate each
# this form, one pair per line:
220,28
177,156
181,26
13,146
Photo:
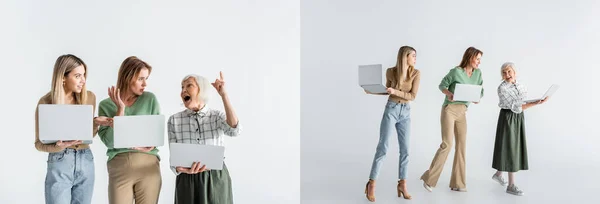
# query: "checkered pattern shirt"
205,127
511,96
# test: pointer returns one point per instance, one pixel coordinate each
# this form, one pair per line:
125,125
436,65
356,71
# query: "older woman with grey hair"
510,149
198,124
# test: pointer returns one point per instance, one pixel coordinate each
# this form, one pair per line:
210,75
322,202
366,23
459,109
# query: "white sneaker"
512,189
499,179
459,189
427,187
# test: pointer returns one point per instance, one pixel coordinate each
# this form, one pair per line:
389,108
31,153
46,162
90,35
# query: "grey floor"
344,182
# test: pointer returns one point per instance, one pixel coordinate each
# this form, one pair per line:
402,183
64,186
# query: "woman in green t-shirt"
133,173
454,122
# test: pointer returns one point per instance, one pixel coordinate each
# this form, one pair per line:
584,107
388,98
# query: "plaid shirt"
205,127
511,96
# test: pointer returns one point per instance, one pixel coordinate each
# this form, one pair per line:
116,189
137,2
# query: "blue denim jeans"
396,119
70,177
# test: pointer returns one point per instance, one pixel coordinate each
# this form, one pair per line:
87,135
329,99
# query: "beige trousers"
454,127
134,175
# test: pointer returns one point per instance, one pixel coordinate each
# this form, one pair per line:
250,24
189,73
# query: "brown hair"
62,67
403,52
130,69
470,53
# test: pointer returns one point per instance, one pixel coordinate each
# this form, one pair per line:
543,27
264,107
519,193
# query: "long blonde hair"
62,67
403,53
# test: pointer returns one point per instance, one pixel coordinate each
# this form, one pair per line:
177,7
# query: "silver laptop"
185,155
65,122
548,93
139,131
467,92
370,78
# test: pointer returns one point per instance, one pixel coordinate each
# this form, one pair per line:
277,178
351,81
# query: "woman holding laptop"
454,122
133,173
70,172
402,82
510,148
199,124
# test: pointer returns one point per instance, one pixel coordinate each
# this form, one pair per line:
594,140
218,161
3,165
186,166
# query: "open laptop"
185,155
139,131
467,92
548,93
370,78
65,122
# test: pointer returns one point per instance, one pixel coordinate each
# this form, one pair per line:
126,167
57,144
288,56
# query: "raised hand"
219,85
115,97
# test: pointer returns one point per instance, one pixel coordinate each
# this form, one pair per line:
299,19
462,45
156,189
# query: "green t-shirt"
458,75
146,104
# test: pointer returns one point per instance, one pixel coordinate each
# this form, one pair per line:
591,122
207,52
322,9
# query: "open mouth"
187,98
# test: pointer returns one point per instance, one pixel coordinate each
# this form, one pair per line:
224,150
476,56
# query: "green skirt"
209,187
510,149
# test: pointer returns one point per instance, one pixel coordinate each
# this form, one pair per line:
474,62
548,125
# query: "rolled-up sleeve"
172,138
228,130
509,101
447,80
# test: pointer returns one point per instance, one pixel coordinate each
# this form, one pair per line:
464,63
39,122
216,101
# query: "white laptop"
185,155
548,93
139,131
370,78
467,92
65,122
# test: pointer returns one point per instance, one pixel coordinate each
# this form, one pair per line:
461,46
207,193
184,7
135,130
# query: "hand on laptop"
196,168
143,149
451,97
103,121
65,144
540,101
391,91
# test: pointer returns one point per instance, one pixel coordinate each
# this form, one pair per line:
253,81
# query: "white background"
254,43
550,42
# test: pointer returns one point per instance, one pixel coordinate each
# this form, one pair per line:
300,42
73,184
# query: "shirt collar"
200,113
508,83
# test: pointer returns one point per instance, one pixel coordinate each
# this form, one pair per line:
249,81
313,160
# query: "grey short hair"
507,65
203,87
